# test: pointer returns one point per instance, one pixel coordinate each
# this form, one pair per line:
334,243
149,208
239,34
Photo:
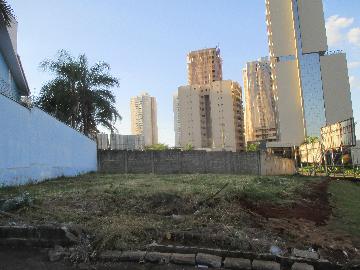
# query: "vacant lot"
227,211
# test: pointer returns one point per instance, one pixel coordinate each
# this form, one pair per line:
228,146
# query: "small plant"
188,147
311,139
157,147
252,147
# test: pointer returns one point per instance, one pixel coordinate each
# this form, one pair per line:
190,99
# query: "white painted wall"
35,146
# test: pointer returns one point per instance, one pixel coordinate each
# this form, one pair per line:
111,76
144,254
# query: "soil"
301,225
314,206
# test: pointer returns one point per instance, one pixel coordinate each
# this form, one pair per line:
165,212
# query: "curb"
219,261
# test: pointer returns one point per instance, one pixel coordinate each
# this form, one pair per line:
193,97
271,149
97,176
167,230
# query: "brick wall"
173,162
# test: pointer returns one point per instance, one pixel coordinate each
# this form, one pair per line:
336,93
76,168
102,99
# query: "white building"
211,116
260,123
311,85
144,118
177,126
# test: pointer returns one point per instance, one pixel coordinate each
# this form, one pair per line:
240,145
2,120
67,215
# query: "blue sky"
146,42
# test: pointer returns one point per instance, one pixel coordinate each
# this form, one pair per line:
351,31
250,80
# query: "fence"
173,162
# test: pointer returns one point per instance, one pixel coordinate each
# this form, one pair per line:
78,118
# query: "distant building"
204,66
144,118
120,142
211,116
177,127
260,124
13,83
311,85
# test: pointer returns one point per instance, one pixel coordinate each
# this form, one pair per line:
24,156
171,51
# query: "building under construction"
260,122
204,66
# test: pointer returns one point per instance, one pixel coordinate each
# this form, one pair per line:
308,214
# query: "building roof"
12,59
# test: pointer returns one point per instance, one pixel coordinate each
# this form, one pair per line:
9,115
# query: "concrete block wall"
187,162
34,146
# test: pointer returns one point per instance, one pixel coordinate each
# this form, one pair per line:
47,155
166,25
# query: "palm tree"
6,13
79,95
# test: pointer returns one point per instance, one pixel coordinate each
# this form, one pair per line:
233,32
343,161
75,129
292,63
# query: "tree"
157,147
252,147
6,13
311,139
79,95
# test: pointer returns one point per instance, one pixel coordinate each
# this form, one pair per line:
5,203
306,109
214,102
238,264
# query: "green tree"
79,95
6,13
188,147
311,139
157,147
252,147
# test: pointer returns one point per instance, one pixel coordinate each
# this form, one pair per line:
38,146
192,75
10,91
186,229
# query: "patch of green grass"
126,211
345,201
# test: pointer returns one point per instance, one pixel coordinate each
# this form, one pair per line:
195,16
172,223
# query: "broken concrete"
305,254
157,257
302,266
184,259
237,264
208,260
265,265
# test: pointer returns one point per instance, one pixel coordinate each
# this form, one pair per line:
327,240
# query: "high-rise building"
177,127
311,85
260,122
211,116
204,66
144,118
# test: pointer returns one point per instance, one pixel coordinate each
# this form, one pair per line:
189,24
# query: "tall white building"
211,116
311,85
177,127
144,118
260,124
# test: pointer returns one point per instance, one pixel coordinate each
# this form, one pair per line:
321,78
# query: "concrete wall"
35,146
272,165
173,162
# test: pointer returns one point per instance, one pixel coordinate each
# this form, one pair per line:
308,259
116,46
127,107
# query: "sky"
146,42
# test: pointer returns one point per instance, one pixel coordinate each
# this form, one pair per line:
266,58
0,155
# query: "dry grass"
128,211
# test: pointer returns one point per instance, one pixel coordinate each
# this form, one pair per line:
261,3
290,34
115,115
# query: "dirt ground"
314,206
303,223
248,213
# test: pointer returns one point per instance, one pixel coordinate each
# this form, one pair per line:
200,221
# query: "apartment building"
177,126
260,124
204,66
144,118
311,85
211,116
